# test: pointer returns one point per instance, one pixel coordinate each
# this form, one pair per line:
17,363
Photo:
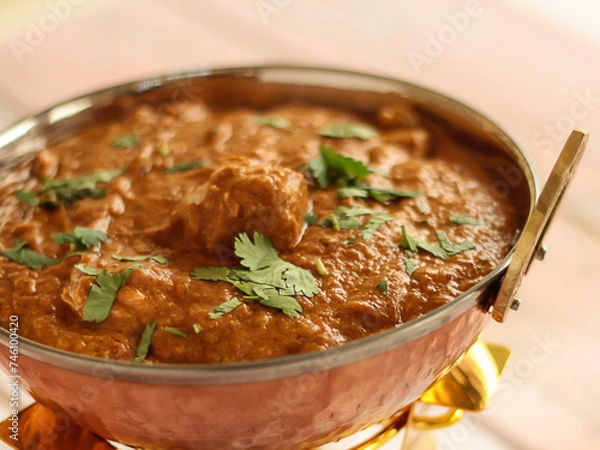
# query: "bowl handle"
530,241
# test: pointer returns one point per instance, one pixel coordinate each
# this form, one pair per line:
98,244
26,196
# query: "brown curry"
384,218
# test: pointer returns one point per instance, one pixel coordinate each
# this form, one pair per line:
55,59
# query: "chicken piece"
243,197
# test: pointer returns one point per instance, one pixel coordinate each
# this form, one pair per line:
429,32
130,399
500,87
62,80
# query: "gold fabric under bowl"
293,402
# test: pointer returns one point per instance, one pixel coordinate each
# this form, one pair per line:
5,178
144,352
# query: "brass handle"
426,423
530,241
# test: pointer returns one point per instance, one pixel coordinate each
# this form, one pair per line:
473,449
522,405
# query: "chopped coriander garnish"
311,218
175,332
333,166
352,192
68,190
450,248
410,266
350,241
144,345
74,254
321,268
463,219
349,130
159,259
224,308
446,250
383,286
103,292
273,121
27,197
379,194
26,257
82,238
185,167
127,141
265,277
373,225
197,328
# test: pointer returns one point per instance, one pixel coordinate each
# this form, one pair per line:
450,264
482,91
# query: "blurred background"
533,66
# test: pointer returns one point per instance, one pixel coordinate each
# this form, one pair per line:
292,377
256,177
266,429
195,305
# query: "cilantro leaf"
269,296
342,166
273,121
352,192
183,167
410,243
103,292
373,225
311,218
224,308
127,141
159,259
27,197
26,257
450,248
82,238
265,277
349,130
407,242
410,266
380,194
68,190
318,167
463,219
383,286
255,255
211,273
175,332
144,345
197,328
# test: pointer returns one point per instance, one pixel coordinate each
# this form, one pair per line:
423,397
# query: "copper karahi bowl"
293,402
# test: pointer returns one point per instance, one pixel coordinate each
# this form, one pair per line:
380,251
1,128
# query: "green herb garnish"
373,225
224,308
197,328
333,166
175,332
446,250
379,194
383,286
463,219
321,268
265,277
410,266
26,257
128,141
103,292
450,248
159,259
273,121
144,345
185,167
82,238
27,197
311,218
67,191
349,130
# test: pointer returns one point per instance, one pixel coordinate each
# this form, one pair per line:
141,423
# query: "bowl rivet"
515,304
541,253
